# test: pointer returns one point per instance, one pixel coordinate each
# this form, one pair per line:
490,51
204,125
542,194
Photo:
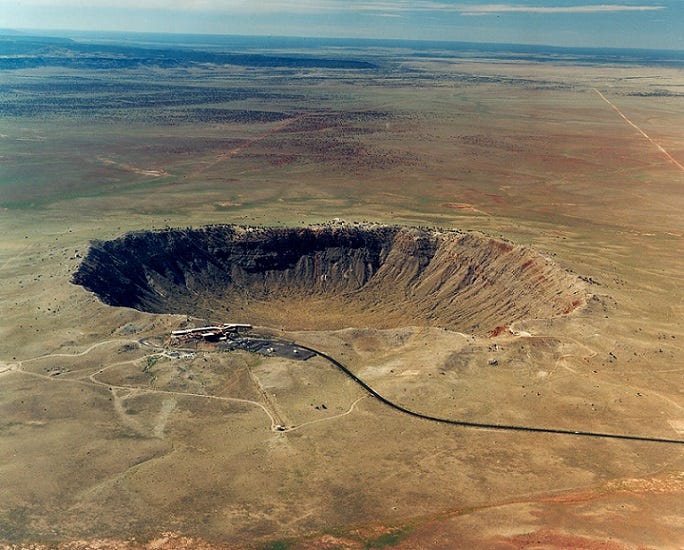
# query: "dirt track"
649,138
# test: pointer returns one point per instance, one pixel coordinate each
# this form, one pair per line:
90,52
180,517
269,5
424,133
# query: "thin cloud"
386,7
489,9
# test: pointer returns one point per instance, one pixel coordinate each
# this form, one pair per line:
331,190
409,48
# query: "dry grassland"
106,442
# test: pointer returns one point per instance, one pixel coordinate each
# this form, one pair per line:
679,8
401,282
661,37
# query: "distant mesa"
330,277
25,52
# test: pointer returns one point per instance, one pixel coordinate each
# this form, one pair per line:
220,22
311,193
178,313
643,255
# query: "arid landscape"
484,236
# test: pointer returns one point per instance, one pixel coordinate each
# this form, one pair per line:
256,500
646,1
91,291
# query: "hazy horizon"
116,35
564,23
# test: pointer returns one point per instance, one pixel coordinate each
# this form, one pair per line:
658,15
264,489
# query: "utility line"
649,138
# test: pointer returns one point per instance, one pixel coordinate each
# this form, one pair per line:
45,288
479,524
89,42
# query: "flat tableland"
104,438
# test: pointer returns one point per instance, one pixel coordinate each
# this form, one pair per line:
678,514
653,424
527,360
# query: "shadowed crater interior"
330,277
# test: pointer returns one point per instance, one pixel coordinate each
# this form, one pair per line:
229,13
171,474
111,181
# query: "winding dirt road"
276,422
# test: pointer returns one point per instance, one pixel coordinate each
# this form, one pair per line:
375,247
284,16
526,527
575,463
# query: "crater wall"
330,277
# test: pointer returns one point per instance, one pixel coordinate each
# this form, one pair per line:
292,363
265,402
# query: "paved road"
484,425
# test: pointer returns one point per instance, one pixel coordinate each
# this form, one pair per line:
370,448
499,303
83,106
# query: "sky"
581,23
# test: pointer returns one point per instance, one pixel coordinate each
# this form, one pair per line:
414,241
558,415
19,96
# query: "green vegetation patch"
276,545
388,540
151,361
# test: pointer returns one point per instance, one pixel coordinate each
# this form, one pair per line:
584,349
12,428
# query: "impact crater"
330,277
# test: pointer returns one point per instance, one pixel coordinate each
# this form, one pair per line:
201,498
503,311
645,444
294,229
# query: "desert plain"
110,438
